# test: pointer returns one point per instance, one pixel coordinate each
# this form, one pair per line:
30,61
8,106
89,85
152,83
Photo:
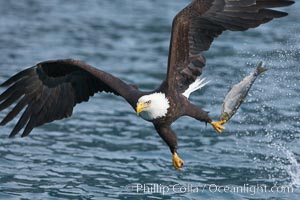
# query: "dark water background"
104,149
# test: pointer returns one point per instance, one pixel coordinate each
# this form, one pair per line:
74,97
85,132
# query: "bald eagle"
51,89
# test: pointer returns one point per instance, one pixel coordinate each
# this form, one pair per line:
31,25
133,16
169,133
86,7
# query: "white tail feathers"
198,84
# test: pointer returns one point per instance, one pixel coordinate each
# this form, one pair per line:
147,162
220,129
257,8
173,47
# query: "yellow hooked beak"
140,107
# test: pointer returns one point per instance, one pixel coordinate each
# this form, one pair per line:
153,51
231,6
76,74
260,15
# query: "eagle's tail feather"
198,84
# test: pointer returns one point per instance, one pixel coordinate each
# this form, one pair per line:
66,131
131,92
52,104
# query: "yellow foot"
177,162
218,125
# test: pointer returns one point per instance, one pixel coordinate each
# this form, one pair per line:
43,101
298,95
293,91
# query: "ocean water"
106,152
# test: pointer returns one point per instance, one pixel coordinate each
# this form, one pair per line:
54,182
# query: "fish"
236,96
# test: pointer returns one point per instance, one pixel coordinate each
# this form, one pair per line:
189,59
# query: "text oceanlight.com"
152,188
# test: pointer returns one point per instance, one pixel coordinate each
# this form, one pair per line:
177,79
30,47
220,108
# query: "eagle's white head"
152,106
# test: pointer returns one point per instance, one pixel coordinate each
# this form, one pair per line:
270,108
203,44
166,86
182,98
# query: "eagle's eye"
148,102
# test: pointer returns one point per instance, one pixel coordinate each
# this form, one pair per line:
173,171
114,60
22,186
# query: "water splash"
293,169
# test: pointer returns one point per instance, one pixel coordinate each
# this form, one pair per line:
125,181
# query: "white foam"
293,169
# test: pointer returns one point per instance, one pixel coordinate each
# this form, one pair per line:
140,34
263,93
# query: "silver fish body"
238,93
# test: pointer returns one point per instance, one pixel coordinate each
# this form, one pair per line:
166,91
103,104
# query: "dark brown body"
179,106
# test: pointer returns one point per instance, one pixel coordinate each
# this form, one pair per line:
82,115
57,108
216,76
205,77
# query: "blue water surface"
106,152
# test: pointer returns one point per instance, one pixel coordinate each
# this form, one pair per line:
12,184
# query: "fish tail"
261,68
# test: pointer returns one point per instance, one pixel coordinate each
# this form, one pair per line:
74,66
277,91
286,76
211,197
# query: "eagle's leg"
201,115
170,138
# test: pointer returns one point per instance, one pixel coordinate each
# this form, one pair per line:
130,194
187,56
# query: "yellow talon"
177,162
218,125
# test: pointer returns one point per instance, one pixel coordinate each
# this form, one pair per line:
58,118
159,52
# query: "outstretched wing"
50,90
196,26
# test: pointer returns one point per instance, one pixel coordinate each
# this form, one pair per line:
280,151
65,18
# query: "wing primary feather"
10,100
33,108
18,76
9,91
16,110
24,84
273,4
272,13
30,125
22,121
